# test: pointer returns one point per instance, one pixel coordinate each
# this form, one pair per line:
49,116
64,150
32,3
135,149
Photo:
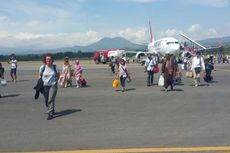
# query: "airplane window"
172,43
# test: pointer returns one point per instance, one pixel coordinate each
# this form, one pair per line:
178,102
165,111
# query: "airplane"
190,51
160,47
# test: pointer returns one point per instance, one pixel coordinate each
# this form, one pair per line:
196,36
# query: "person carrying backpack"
49,74
208,70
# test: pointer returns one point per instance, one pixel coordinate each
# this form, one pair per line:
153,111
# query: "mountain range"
107,43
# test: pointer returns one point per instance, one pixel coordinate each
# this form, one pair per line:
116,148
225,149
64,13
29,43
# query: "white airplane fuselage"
161,47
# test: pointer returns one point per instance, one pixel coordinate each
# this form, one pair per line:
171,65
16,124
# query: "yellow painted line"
140,150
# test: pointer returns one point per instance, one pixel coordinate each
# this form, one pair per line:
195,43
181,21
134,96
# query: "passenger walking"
13,71
65,77
123,73
197,66
49,74
208,70
149,64
169,65
77,73
2,71
112,64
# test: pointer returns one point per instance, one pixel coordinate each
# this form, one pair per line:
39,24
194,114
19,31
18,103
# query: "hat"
124,59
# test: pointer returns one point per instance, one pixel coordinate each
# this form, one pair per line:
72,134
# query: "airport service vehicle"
101,56
116,53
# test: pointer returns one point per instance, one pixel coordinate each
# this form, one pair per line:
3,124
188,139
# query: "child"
82,81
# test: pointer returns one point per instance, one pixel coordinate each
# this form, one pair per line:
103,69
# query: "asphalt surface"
100,117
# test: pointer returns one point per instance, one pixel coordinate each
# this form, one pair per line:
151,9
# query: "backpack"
54,68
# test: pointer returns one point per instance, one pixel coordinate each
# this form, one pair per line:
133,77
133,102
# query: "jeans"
50,93
150,78
122,80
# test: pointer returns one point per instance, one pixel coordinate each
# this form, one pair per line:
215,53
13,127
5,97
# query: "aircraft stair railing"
190,50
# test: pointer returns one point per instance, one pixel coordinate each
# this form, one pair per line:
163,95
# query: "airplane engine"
141,57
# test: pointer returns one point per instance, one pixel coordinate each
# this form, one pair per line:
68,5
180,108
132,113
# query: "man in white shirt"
149,64
13,71
197,66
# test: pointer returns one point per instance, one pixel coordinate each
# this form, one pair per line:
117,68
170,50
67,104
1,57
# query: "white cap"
124,59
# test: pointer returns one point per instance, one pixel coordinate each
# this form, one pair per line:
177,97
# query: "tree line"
78,54
57,56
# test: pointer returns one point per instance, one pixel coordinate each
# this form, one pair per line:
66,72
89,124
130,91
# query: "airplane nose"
177,46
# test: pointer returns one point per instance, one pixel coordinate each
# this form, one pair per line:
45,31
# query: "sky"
46,24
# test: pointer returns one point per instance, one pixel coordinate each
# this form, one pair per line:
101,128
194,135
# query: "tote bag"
115,81
3,82
161,81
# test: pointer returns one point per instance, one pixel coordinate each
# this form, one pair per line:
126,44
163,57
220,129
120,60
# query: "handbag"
115,82
161,81
155,69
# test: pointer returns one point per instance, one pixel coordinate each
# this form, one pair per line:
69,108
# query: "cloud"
210,3
140,1
169,33
3,18
136,35
211,32
47,41
194,28
57,40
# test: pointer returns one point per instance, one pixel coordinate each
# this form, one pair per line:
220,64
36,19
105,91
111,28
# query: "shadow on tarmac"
129,89
86,86
66,112
202,85
177,90
23,80
13,95
18,81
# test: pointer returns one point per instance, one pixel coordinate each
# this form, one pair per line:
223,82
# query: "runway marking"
142,150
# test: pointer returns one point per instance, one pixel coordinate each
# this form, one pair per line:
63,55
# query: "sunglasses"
48,58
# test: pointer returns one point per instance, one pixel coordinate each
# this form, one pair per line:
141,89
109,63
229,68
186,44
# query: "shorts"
13,71
122,80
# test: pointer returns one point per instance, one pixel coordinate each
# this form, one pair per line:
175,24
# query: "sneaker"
50,117
196,85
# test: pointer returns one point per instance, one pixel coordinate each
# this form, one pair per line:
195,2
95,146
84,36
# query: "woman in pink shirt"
77,72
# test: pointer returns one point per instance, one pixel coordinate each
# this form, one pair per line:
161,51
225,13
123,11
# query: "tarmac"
99,118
